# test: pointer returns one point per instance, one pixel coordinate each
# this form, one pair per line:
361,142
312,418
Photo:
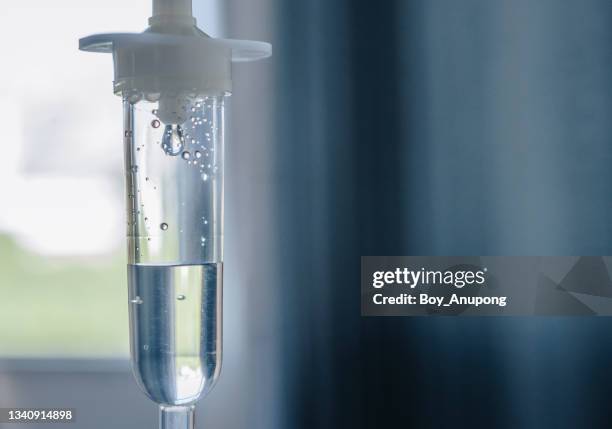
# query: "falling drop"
172,141
164,226
155,123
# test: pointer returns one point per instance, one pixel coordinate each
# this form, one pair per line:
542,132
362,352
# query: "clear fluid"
175,323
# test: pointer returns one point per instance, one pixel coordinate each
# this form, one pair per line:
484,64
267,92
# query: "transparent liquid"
175,324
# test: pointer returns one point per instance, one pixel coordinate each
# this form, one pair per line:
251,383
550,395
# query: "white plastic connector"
172,58
169,14
172,7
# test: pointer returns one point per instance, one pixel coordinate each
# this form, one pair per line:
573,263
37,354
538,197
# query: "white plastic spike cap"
172,57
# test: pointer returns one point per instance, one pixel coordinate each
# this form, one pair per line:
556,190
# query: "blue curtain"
432,127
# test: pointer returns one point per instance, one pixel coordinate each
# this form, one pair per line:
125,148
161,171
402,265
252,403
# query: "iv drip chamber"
174,80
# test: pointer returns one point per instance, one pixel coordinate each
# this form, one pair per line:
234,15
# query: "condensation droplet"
186,155
164,226
205,177
198,154
155,123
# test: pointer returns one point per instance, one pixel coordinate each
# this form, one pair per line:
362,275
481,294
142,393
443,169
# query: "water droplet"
198,154
145,347
186,155
181,297
147,178
134,169
154,111
172,141
137,300
205,222
164,226
204,177
155,123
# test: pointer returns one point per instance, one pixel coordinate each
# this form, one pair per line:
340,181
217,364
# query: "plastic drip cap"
172,57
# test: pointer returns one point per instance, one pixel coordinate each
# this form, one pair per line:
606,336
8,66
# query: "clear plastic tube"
174,182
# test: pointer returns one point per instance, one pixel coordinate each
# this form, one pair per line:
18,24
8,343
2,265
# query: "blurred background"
416,127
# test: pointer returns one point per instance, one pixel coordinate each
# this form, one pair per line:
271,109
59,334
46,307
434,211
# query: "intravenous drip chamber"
174,81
